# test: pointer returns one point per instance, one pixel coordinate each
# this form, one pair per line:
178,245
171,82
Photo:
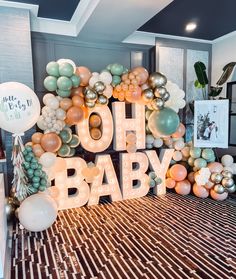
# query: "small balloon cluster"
61,78
200,157
116,70
131,140
37,178
95,95
69,143
223,182
95,125
154,180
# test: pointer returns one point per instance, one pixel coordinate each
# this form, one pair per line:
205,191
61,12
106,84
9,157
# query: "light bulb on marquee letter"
82,129
128,175
63,182
160,167
123,125
111,188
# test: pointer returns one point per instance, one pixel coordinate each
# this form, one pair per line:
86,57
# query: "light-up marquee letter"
160,167
63,182
123,125
128,175
111,187
107,131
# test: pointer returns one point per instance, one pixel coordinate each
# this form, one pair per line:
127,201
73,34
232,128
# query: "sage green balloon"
50,83
72,152
195,152
200,163
108,67
66,69
74,141
117,69
164,122
75,80
52,69
208,154
65,136
63,93
64,83
64,151
116,80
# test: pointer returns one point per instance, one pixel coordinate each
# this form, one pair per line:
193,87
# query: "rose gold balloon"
36,137
200,191
170,183
179,132
178,172
218,197
191,178
131,148
215,167
183,187
38,150
95,133
77,91
66,103
74,115
77,101
95,121
51,142
209,185
135,95
142,73
84,74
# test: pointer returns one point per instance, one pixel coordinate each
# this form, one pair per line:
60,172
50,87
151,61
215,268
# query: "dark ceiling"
215,18
55,9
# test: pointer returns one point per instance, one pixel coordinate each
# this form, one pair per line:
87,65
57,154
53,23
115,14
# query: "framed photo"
211,123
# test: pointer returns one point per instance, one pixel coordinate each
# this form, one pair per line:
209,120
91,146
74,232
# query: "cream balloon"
38,212
19,107
46,96
52,103
105,77
48,159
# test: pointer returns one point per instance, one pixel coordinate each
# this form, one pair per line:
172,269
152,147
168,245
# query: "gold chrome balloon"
157,79
231,189
90,104
227,182
99,86
102,100
227,174
147,95
159,92
157,104
216,177
219,189
166,96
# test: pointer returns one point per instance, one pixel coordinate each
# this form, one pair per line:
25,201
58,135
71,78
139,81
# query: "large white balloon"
19,107
38,212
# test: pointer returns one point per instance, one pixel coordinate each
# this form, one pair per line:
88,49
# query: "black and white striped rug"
150,237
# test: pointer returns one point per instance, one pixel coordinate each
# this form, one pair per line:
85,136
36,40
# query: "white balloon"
62,60
38,212
149,139
158,143
52,103
47,159
60,114
46,96
229,169
179,144
105,77
149,146
93,80
233,167
96,74
227,160
19,107
41,123
177,156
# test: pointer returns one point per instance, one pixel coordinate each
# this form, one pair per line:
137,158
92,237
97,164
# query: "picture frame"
211,123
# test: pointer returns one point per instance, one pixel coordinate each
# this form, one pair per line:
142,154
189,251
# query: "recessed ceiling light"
191,26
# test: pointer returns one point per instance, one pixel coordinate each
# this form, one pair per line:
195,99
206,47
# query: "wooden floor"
151,237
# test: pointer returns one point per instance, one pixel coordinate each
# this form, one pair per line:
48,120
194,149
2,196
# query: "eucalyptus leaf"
227,70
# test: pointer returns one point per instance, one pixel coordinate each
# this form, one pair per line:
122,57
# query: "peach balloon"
218,197
78,91
29,143
36,137
77,101
178,172
215,167
95,133
51,142
95,121
66,103
131,148
191,178
170,183
135,95
183,187
38,150
209,185
179,132
84,74
74,115
142,73
200,191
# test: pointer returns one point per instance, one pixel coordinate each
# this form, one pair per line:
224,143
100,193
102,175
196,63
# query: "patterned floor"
170,237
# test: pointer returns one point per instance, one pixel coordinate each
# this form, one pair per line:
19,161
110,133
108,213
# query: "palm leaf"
227,70
200,70
215,91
